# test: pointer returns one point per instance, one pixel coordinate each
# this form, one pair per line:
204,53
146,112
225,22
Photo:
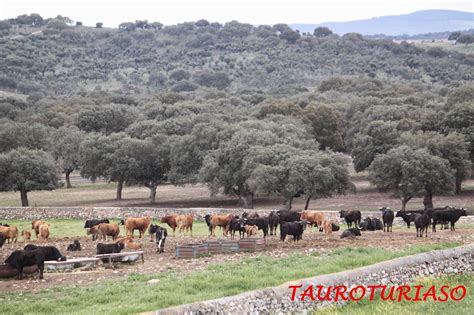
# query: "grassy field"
465,306
134,295
61,228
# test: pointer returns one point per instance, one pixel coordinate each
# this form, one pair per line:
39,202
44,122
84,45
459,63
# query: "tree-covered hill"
52,57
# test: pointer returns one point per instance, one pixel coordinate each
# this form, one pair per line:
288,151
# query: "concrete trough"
71,264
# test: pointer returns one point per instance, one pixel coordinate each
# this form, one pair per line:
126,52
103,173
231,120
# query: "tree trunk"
428,199
68,180
119,190
24,198
247,201
288,203
307,201
152,192
458,185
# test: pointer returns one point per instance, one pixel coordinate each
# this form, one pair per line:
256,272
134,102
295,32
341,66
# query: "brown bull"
101,231
314,218
10,233
171,221
140,224
222,221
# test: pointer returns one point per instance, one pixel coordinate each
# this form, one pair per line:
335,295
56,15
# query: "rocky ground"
154,263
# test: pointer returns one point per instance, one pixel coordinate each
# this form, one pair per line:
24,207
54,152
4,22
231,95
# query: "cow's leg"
41,269
19,272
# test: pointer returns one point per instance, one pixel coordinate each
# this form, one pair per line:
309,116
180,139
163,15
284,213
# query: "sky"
113,12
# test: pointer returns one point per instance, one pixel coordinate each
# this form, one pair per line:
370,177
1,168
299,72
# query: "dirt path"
154,263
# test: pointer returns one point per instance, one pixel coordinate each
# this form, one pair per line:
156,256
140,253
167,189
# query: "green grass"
365,306
134,295
60,228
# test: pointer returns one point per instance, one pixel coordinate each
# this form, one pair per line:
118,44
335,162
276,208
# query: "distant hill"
419,22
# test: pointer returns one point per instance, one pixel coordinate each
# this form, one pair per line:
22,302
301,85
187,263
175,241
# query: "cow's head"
463,212
343,213
122,222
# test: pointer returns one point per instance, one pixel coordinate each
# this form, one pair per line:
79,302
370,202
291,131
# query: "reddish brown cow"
221,220
105,229
171,221
185,223
36,224
10,233
314,217
140,224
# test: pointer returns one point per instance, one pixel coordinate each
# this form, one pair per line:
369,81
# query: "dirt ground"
313,241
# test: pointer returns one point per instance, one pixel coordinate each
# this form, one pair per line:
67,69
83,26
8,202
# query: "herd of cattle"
291,223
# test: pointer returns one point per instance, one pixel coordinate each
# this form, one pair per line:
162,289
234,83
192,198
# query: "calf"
44,231
327,226
90,223
351,233
387,218
129,243
74,246
273,221
261,223
251,230
292,228
406,216
160,237
10,233
288,216
351,216
422,222
26,235
171,221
